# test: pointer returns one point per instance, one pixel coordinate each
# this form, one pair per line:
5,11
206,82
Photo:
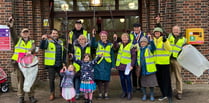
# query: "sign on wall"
5,39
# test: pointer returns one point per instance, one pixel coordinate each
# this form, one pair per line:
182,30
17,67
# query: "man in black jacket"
54,57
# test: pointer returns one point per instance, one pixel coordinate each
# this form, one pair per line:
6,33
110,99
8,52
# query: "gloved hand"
164,38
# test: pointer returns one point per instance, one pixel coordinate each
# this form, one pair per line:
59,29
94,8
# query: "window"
128,4
83,5
58,3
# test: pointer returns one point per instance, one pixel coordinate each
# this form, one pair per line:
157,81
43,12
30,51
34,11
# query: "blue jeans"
125,81
77,82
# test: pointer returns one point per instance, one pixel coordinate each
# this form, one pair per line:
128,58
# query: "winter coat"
67,80
60,55
102,71
87,70
142,58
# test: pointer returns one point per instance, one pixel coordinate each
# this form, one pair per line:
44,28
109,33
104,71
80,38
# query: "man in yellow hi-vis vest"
75,33
54,57
135,37
23,44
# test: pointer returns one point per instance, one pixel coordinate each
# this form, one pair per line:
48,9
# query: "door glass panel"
128,4
118,25
60,24
84,5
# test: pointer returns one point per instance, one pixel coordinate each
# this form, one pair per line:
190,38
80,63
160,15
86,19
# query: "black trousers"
135,81
164,80
52,73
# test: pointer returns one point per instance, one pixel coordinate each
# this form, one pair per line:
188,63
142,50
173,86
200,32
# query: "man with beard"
54,58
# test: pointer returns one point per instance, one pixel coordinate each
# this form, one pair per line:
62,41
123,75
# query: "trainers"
163,98
144,98
99,96
106,96
77,96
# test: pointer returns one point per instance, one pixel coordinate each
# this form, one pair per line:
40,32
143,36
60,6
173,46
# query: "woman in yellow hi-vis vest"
102,70
126,59
54,58
177,41
162,61
81,47
23,44
147,67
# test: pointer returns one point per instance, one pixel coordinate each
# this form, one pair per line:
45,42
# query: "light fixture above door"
65,7
95,2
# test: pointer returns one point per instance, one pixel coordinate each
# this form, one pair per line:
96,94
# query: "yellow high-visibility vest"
124,54
162,56
176,48
22,47
50,53
71,35
106,52
149,59
77,55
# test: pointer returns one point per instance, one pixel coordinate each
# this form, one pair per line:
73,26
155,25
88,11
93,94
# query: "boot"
32,99
144,97
52,96
152,98
129,96
21,100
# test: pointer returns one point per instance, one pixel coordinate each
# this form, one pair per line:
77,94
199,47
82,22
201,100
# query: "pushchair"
4,86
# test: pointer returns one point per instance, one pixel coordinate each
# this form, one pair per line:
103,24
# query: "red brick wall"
194,14
29,14
185,13
5,12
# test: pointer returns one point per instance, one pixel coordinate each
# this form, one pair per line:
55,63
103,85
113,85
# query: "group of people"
143,61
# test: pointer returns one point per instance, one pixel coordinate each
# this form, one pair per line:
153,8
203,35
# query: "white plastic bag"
29,71
192,60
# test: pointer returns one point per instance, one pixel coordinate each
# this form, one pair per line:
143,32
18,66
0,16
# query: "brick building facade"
185,13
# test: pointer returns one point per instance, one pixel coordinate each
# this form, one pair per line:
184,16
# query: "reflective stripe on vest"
149,59
22,47
71,35
106,52
132,36
176,48
77,54
161,55
124,54
50,53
